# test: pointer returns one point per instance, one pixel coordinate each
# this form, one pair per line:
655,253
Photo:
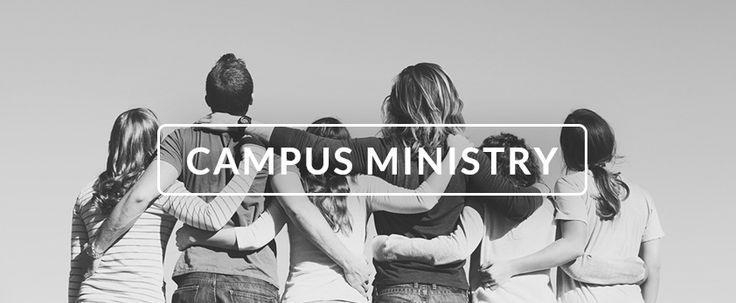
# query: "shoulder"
85,194
638,193
179,133
572,182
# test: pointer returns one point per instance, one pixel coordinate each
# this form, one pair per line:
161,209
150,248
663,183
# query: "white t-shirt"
619,238
506,239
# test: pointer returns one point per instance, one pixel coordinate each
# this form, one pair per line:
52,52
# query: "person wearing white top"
502,239
313,276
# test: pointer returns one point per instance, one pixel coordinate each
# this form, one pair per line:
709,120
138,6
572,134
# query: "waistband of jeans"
197,277
431,286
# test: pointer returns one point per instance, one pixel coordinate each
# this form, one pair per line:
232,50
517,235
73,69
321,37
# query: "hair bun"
227,57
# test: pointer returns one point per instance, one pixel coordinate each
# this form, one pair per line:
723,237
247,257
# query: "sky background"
661,72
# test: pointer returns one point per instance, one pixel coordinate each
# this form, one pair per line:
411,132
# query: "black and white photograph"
368,151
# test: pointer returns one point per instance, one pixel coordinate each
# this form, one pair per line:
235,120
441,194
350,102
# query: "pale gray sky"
661,72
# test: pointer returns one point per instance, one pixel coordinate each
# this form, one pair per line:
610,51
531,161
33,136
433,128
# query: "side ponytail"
610,186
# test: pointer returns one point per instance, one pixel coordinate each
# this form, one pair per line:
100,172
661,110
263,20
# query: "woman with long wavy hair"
313,276
132,269
421,94
614,221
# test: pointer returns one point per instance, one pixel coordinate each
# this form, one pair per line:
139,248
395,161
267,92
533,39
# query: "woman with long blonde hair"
313,276
421,94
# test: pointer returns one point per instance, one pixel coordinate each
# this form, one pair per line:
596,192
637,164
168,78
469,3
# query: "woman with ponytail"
610,226
621,222
313,276
132,269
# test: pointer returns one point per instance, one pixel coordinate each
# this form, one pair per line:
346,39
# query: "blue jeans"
419,293
201,287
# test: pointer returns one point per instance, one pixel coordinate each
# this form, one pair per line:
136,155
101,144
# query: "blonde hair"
422,94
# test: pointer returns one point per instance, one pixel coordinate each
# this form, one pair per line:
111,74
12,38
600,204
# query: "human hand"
494,275
358,275
384,247
188,236
215,121
89,264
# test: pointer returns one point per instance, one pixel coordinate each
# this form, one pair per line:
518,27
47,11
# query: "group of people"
604,243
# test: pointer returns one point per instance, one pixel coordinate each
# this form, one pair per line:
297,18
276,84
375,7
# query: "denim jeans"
420,293
216,288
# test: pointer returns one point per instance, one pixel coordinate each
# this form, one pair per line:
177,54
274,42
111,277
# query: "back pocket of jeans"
255,297
186,294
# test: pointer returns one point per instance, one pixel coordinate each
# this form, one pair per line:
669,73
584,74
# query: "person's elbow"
574,249
426,204
137,198
215,221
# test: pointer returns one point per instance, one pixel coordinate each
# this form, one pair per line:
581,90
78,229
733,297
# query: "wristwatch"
90,251
244,120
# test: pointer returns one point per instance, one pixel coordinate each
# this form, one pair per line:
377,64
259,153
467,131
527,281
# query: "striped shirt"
132,269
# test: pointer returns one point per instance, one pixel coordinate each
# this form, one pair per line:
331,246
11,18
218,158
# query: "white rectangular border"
526,125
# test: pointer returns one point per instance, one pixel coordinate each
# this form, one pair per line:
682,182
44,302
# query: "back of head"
229,86
332,132
422,94
333,208
507,141
131,148
601,151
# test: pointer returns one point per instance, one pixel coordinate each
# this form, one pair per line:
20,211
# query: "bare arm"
304,214
606,271
133,204
439,250
252,237
564,250
649,252
262,132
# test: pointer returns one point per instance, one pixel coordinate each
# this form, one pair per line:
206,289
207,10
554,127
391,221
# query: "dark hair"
229,86
131,148
333,208
422,94
601,150
503,161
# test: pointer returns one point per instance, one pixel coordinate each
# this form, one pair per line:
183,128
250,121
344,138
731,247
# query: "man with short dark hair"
207,274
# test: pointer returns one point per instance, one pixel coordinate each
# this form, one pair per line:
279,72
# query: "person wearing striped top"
203,274
132,270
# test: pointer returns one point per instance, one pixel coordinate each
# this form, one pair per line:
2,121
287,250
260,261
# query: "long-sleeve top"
132,269
440,220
